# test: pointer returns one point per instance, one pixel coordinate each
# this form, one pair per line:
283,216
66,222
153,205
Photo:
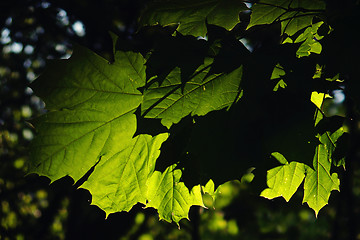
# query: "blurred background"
33,31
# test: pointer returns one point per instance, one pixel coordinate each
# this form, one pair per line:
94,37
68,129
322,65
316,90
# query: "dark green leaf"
193,15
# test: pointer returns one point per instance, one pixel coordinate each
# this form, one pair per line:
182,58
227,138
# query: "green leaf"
193,15
281,159
310,40
91,124
170,196
267,11
200,95
293,15
319,181
300,15
284,180
121,181
277,75
210,189
91,105
317,99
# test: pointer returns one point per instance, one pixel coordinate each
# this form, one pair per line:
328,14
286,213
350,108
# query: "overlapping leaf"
277,75
170,196
193,15
310,41
91,120
171,101
91,123
293,15
121,181
319,181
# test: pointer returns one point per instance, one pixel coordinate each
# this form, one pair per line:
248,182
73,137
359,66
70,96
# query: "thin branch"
288,9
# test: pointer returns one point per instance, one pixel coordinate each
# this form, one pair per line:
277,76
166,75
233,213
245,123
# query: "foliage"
174,112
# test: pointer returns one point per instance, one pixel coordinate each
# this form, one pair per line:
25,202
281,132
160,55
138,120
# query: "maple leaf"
193,15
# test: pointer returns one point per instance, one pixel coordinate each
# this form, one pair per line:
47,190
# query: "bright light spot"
248,5
247,44
60,47
28,91
202,38
62,17
19,163
29,49
5,32
339,96
27,134
62,13
26,111
66,56
5,38
79,28
30,76
16,47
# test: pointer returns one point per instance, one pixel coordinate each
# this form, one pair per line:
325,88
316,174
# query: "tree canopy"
203,93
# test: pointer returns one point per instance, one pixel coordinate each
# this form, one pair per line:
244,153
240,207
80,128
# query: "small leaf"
284,180
278,74
310,40
279,157
209,188
170,196
317,99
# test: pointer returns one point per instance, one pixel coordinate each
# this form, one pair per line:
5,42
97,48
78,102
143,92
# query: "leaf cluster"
203,92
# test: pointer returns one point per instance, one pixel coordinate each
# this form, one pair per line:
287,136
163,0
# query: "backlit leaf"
199,96
284,180
193,15
293,15
319,181
310,40
91,105
170,196
121,181
277,75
